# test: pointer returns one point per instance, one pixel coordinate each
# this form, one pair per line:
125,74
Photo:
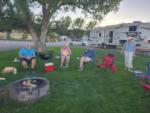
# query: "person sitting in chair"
65,55
27,56
88,56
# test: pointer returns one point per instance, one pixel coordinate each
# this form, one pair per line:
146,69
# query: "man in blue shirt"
27,56
88,56
129,49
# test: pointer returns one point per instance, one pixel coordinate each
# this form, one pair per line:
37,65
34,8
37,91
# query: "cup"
15,71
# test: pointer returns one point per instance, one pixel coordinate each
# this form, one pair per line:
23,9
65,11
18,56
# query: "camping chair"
145,83
108,63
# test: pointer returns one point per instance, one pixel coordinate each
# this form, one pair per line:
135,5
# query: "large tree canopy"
8,19
24,11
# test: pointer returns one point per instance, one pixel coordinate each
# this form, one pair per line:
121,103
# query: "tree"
90,26
78,23
97,8
8,20
77,30
5,10
61,26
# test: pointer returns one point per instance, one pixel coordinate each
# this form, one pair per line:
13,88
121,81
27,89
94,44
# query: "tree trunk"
8,34
24,36
40,42
43,38
35,40
34,37
43,35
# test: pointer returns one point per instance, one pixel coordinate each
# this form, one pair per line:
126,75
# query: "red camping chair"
108,63
145,85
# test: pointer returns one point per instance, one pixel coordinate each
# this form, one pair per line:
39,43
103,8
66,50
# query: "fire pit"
29,89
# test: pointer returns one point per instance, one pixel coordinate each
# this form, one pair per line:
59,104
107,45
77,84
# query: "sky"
129,11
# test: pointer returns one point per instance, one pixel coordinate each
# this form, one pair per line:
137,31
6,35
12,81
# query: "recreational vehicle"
111,36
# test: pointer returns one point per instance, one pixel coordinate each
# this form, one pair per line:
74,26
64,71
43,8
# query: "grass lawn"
91,91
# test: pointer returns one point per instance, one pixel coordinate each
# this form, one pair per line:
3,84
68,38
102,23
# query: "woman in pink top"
65,55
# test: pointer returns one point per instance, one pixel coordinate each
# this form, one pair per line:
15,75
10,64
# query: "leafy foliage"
23,10
8,19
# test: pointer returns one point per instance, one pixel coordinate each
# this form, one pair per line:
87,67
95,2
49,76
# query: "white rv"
111,36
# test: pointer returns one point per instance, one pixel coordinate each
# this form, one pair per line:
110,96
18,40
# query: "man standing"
129,52
27,56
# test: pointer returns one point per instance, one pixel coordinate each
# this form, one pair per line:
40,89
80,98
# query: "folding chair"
146,85
108,63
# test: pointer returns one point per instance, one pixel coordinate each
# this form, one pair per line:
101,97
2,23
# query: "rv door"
110,36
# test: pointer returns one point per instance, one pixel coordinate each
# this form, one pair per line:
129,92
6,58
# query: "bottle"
78,58
15,71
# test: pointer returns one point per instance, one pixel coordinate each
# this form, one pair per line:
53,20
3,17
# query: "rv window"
111,34
132,28
100,34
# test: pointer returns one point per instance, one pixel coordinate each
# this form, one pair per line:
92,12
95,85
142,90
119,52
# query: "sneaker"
16,60
130,70
64,67
80,69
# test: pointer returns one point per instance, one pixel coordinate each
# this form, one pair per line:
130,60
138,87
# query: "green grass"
91,91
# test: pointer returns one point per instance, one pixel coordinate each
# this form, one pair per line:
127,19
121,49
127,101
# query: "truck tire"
99,45
104,46
71,44
114,47
83,44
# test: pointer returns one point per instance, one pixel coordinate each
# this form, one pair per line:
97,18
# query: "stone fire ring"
37,88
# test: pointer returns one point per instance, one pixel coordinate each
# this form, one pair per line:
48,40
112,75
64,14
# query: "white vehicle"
90,42
114,35
81,43
75,43
63,38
